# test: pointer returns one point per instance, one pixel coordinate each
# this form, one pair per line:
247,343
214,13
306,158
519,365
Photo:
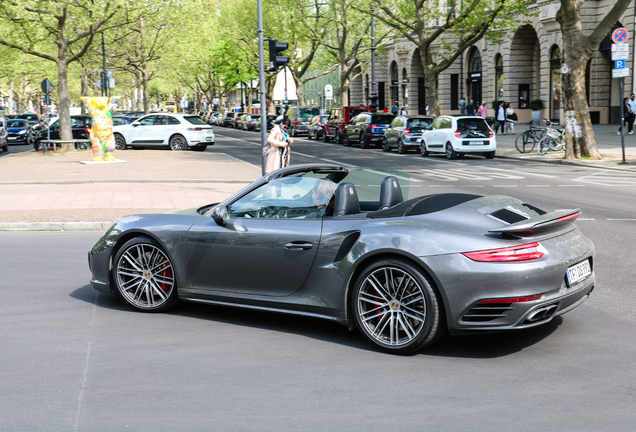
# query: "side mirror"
220,214
135,124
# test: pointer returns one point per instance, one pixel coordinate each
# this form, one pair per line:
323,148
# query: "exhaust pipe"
541,313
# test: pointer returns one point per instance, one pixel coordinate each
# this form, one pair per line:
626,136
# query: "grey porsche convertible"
344,245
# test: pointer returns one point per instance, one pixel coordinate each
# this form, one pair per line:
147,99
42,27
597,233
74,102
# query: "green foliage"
536,104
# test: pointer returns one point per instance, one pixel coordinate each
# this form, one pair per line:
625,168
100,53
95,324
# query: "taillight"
512,300
318,122
87,130
407,132
524,252
297,123
458,134
195,129
492,134
573,215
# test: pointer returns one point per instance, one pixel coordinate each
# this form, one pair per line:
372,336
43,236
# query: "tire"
385,145
120,142
199,147
364,141
293,132
544,145
450,152
144,275
37,145
178,143
346,141
325,137
309,134
381,315
524,144
401,148
339,138
82,146
423,150
489,155
5,148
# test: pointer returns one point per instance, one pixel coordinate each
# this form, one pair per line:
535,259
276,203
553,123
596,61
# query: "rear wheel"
325,137
178,143
450,152
144,275
544,145
489,155
396,307
120,142
345,140
364,141
339,137
385,145
401,148
423,150
524,143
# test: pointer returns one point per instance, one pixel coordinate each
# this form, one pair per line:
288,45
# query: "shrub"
536,105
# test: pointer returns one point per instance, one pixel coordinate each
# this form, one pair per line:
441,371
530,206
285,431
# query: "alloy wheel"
120,142
391,307
177,143
145,276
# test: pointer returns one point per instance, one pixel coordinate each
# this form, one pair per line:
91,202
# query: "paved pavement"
57,192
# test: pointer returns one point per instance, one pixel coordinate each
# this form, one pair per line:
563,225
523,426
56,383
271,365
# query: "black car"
316,127
80,126
119,120
300,118
366,128
405,133
270,122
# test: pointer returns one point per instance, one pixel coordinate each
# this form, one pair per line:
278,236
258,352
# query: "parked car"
402,272
301,118
119,120
405,132
178,131
4,144
32,118
17,131
270,122
227,120
366,128
249,121
459,135
316,126
80,128
339,117
237,119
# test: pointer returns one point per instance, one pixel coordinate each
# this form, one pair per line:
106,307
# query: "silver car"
4,145
404,133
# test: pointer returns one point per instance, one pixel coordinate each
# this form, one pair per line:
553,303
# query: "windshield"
195,120
308,112
382,119
16,123
30,117
355,112
473,127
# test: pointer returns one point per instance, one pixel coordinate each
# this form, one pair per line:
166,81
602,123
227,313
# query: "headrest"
390,193
346,200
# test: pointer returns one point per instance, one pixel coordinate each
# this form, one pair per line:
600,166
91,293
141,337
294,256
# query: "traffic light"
275,61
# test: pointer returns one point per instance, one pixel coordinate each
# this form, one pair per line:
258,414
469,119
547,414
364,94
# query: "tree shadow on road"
488,345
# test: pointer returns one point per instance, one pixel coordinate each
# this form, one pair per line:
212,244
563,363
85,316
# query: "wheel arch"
363,262
181,135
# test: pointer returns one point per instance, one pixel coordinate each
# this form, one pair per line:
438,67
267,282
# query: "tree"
49,30
577,50
453,25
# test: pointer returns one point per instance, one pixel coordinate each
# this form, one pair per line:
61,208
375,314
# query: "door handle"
298,246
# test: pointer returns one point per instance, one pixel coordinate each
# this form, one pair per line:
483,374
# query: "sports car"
325,241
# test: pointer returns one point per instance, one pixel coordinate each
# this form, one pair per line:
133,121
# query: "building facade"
524,66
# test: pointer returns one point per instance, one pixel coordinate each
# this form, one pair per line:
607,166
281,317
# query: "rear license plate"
208,138
579,271
475,142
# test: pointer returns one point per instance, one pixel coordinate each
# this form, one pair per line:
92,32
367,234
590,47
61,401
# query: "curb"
566,162
55,226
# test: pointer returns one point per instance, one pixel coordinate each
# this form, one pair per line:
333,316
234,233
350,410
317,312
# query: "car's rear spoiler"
549,222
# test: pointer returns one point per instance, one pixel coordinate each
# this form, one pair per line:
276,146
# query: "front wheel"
423,150
396,307
364,141
451,154
345,140
524,144
178,143
339,138
144,275
401,148
544,145
385,145
120,142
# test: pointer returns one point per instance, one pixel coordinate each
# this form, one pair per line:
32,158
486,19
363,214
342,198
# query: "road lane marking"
572,185
394,175
537,185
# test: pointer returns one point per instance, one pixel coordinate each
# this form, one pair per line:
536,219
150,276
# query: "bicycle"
554,139
526,142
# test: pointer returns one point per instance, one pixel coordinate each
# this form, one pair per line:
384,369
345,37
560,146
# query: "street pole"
262,85
374,95
621,90
286,100
104,78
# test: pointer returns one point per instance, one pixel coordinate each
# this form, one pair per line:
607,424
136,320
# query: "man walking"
395,108
462,106
632,115
470,108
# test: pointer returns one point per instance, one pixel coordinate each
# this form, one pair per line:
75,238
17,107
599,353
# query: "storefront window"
499,78
405,88
555,84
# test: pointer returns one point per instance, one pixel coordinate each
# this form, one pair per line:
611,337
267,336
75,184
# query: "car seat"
390,193
346,200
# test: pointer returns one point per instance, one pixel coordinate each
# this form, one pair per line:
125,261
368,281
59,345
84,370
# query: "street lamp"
374,95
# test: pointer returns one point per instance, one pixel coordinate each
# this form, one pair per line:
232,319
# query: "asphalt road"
77,360
17,149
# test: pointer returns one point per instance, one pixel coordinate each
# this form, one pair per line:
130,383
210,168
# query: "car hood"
15,129
185,211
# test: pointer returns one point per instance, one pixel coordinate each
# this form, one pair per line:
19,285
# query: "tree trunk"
300,95
84,88
11,82
430,82
63,104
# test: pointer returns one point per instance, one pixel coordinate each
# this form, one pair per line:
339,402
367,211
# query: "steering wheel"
266,212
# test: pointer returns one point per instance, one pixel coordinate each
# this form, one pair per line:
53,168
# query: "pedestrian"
501,117
627,112
427,110
395,108
511,117
482,110
462,106
385,110
632,113
470,108
277,146
403,110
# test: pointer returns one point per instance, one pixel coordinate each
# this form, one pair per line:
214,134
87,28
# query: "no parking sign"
620,35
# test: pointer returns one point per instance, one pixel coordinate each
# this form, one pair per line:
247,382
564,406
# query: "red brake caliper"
167,273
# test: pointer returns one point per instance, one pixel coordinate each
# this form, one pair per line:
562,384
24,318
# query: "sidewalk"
57,192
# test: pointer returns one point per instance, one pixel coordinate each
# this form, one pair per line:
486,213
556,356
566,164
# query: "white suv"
458,135
179,131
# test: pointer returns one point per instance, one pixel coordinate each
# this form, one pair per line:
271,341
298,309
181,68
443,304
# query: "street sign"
620,55
620,35
620,73
620,47
46,86
111,83
328,92
620,64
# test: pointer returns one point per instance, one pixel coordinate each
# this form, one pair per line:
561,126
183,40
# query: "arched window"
473,83
555,84
499,77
